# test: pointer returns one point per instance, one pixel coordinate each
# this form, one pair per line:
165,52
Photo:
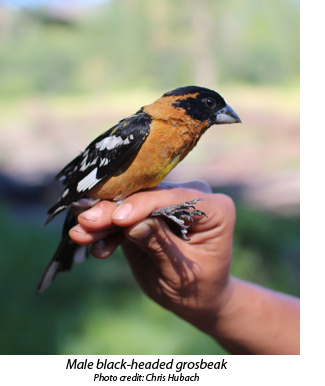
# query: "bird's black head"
203,104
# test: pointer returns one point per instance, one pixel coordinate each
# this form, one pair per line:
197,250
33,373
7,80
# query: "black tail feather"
64,256
62,261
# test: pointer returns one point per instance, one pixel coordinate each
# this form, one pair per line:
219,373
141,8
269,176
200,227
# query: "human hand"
190,278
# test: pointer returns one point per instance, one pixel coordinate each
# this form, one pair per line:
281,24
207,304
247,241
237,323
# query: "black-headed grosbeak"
135,154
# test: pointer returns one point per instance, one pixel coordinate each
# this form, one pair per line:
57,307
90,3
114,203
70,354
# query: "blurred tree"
205,71
160,44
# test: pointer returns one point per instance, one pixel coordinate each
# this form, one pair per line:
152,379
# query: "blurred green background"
69,71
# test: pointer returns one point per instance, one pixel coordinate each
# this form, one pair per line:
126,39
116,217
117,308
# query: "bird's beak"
227,115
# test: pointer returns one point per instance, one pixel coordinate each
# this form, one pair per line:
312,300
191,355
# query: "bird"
135,154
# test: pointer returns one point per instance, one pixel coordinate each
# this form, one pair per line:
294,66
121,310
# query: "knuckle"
227,208
227,201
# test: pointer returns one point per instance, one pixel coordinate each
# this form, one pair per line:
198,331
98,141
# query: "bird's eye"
210,103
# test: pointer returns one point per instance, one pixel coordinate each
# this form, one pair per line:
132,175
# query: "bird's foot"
180,216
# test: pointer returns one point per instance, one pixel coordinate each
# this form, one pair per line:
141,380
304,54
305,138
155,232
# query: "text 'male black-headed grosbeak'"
135,154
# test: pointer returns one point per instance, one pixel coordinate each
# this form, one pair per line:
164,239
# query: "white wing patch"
65,193
112,142
103,162
108,143
84,166
88,182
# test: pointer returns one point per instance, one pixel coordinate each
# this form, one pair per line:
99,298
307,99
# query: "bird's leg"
180,216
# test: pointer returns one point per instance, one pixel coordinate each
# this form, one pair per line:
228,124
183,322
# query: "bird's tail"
66,254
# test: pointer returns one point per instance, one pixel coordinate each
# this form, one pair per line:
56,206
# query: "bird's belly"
137,176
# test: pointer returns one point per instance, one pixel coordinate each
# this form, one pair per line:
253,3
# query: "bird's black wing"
101,159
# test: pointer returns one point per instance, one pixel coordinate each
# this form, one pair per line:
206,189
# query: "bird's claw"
180,214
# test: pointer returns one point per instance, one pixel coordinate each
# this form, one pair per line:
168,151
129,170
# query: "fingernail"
122,212
141,231
92,214
78,229
102,249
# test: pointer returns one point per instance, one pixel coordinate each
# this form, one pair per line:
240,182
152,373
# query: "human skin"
191,278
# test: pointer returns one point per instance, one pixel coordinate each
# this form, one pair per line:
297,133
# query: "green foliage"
266,249
98,307
125,44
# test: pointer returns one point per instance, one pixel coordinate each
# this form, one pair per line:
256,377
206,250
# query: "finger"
99,217
140,205
103,249
82,236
